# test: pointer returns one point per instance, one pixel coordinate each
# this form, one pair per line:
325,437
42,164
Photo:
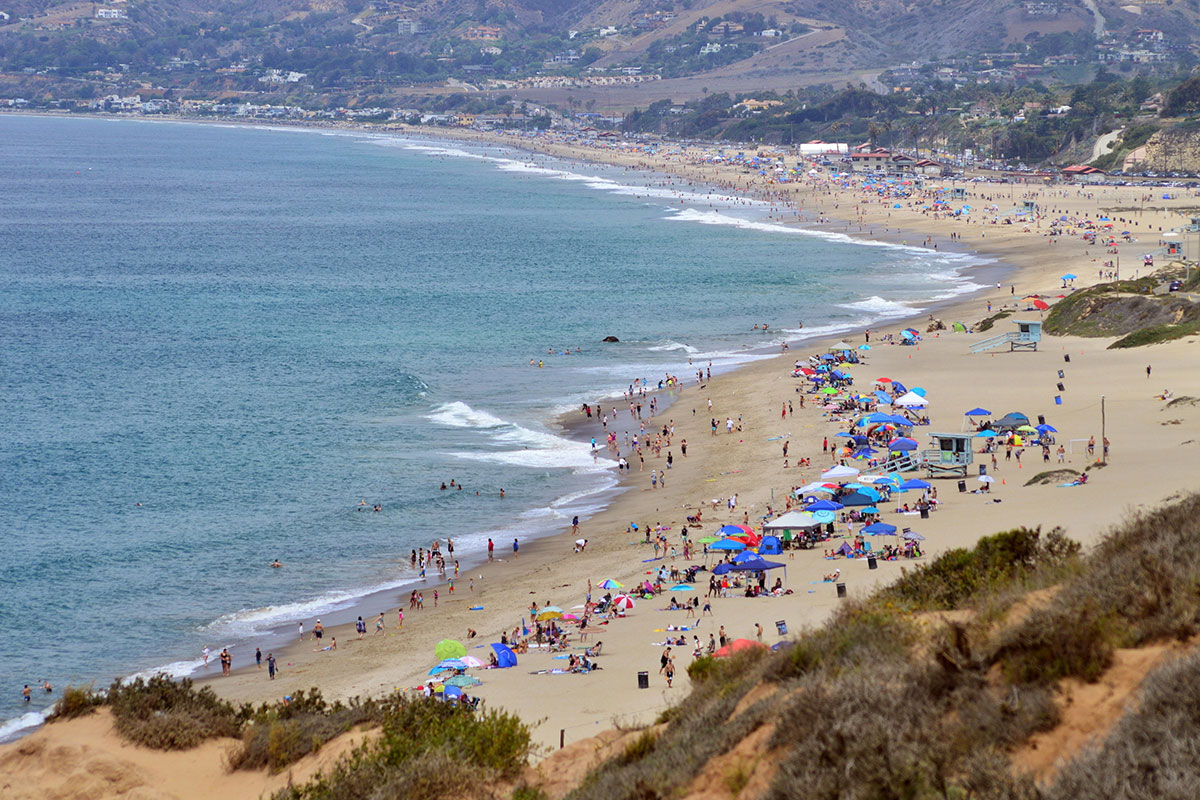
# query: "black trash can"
983,469
924,513
1067,357
872,562
781,626
841,590
643,680
962,486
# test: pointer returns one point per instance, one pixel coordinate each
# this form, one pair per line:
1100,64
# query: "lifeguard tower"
949,456
958,193
1174,247
1025,337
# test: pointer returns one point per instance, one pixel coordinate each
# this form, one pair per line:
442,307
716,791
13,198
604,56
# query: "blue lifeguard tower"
1025,337
949,456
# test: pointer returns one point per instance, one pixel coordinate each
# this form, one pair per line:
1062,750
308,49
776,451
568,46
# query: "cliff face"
1173,151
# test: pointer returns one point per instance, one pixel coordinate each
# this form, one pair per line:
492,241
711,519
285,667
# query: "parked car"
1175,286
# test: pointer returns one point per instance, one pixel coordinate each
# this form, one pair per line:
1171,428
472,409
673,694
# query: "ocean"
219,340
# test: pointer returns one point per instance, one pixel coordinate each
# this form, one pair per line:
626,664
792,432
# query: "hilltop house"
482,33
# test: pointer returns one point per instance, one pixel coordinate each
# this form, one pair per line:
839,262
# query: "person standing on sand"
226,661
1147,372
575,525
271,665
758,628
491,550
360,627
258,657
516,548
669,669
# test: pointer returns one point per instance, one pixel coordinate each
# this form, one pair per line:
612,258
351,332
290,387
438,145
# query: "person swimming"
276,564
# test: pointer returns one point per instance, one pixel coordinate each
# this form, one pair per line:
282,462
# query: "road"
1103,145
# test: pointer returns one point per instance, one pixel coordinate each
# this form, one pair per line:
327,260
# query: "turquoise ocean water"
216,340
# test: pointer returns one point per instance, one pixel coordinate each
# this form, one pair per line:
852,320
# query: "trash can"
1061,388
781,626
1067,357
872,562
983,469
962,486
643,680
924,513
841,590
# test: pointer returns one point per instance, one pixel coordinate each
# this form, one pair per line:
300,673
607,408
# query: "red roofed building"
1082,173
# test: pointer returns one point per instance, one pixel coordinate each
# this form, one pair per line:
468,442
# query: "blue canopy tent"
722,568
770,546
758,565
504,655
915,483
857,499
823,505
978,412
902,444
879,529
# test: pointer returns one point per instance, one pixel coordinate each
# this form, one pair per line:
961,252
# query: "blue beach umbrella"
1047,429
986,435
903,444
879,529
870,510
1070,276
823,517
727,544
682,587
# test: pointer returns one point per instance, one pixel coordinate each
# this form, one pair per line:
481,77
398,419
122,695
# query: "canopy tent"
915,483
911,400
757,565
1011,421
505,657
856,499
839,473
824,505
879,529
792,519
978,412
839,347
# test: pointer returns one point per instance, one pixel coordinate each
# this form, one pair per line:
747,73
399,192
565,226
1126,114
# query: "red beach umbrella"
1041,305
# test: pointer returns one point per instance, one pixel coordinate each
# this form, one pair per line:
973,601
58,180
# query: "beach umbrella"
745,555
913,536
728,544
869,510
736,530
824,505
1070,276
1046,429
505,657
978,412
879,529
843,435
839,473
1041,305
549,612
682,587
451,691
449,648
463,680
472,662
739,646
915,483
986,479
903,444
827,390
823,517
623,601
856,499
611,584
449,665
896,419
1027,428
722,568
708,540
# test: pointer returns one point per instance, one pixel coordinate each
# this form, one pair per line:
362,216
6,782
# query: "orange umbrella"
738,646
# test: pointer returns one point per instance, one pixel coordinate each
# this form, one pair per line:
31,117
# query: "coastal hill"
643,50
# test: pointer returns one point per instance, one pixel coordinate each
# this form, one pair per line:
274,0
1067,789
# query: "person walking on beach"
360,627
378,625
271,666
1147,372
318,631
575,525
669,670
226,661
516,548
258,657
491,550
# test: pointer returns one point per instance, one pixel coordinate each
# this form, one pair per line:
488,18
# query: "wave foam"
15,727
457,414
671,345
881,308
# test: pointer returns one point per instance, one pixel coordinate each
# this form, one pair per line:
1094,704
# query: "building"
711,47
1082,173
929,167
870,162
482,33
110,13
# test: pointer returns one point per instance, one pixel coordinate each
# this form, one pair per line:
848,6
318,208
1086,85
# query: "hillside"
300,49
1020,668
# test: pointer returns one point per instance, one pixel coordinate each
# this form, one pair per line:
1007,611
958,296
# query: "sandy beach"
1155,452
1151,459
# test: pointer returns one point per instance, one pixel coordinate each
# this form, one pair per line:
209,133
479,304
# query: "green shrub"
76,701
1052,644
995,562
426,748
639,748
279,735
171,715
1156,335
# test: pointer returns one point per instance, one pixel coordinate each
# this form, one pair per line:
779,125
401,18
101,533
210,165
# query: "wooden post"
562,738
1103,435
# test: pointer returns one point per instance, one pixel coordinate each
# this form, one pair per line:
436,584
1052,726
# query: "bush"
171,715
277,736
639,748
426,748
996,562
1052,644
76,701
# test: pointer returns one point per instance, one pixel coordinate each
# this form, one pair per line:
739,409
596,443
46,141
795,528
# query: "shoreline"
543,554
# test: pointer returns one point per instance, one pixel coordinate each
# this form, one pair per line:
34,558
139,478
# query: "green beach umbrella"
463,680
708,540
449,648
828,390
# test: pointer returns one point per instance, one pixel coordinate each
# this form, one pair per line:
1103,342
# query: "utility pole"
1103,434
